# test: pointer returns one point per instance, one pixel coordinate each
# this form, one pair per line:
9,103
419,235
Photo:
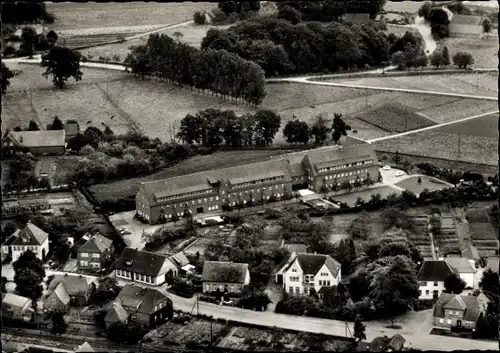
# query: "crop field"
97,15
485,81
129,187
394,118
484,51
463,108
428,183
196,330
478,142
438,83
477,215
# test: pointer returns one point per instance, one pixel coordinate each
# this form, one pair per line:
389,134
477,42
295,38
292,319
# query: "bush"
7,260
199,18
9,51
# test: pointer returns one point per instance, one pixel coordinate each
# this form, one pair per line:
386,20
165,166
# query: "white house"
144,267
30,238
431,277
465,269
301,272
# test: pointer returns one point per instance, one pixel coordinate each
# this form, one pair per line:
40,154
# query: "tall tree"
62,63
6,76
360,228
28,276
290,14
320,131
296,131
33,126
56,124
359,329
29,37
339,127
454,284
437,59
487,25
394,286
489,284
463,59
267,124
446,57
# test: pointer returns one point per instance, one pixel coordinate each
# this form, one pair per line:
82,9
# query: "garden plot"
485,126
102,15
463,108
394,117
477,215
195,331
473,149
487,82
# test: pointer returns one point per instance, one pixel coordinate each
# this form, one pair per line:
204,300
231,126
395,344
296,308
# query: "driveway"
133,228
425,31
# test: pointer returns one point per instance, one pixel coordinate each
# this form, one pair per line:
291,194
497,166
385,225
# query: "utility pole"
366,96
198,303
459,137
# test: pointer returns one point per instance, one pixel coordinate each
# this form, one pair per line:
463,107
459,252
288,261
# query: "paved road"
430,127
425,31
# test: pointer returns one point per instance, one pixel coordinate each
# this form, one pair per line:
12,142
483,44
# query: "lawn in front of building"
431,184
366,194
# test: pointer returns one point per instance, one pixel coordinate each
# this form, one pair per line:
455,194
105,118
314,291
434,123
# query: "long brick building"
281,175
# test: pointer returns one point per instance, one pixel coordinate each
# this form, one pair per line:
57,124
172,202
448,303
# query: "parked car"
400,173
386,167
228,302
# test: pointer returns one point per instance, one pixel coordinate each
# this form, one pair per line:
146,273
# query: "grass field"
460,109
352,197
217,160
438,83
484,51
96,15
478,142
428,183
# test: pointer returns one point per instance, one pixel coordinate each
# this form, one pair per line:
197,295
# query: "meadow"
477,138
483,50
101,15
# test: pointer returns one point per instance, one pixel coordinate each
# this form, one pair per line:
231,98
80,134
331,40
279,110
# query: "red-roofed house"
302,272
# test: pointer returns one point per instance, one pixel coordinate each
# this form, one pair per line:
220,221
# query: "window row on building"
341,175
94,255
193,202
134,276
324,283
344,166
183,196
24,248
213,287
92,264
256,182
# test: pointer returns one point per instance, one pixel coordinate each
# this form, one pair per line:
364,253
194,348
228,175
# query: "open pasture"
463,108
444,143
485,126
98,15
483,50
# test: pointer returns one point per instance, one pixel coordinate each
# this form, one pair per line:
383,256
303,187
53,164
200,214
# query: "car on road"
386,167
400,173
228,302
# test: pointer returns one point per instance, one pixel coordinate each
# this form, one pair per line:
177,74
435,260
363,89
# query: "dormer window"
294,270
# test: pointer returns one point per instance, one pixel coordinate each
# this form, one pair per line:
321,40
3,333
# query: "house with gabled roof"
29,238
300,273
227,277
144,267
16,307
431,277
41,142
57,299
465,269
94,252
453,310
79,288
146,306
181,261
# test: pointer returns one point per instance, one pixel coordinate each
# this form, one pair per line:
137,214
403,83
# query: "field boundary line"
432,127
426,117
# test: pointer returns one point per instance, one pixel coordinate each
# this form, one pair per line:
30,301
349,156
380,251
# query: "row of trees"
437,18
6,75
326,11
280,47
217,71
296,131
20,12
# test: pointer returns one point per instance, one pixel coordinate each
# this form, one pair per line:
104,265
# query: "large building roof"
41,138
142,262
202,180
312,263
435,271
224,272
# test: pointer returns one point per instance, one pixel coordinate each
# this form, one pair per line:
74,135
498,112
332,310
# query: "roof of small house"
71,128
84,348
33,235
41,138
179,259
140,299
74,285
142,262
225,272
96,243
312,263
435,271
60,293
14,300
116,314
462,264
469,303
